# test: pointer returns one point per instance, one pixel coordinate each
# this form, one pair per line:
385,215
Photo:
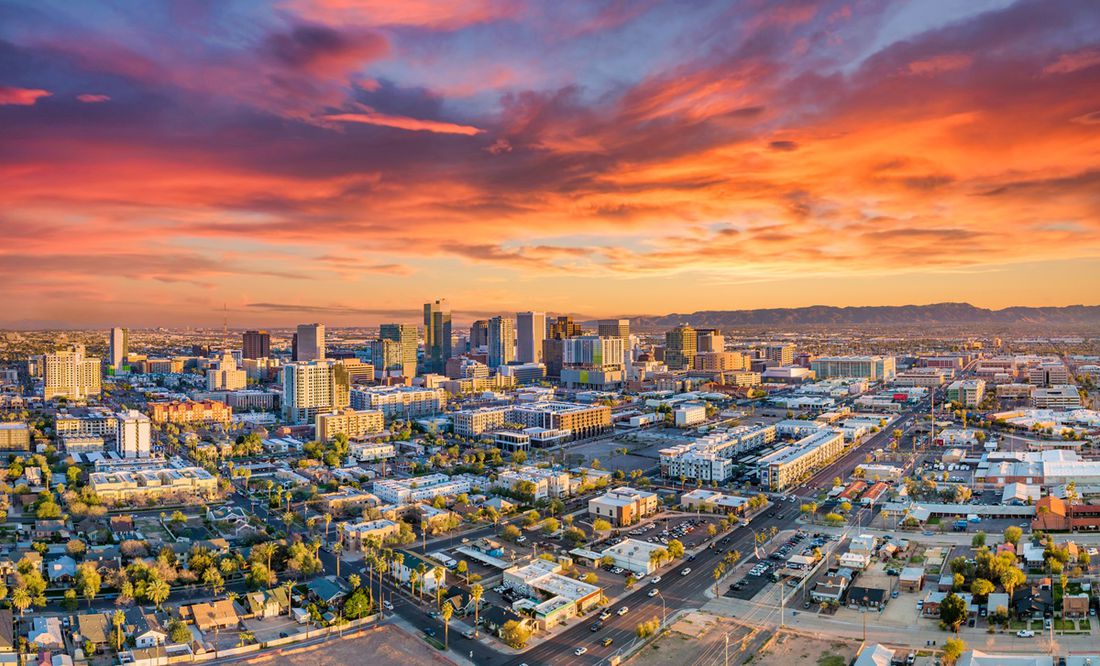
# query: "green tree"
675,549
21,599
358,604
978,540
953,611
157,591
982,587
89,581
178,632
1013,534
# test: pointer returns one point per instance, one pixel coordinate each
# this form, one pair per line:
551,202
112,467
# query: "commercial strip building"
623,506
788,465
926,377
1064,396
712,501
188,412
353,423
562,597
709,458
876,368
400,401
125,486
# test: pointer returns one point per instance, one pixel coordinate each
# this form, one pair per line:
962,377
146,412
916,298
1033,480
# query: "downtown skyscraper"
502,341
437,336
119,346
530,332
309,342
405,337
256,344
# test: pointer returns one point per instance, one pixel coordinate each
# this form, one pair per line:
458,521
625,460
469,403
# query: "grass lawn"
1016,625
1037,625
1065,625
831,660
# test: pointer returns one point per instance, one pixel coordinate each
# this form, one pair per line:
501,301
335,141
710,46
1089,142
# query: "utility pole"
781,602
727,661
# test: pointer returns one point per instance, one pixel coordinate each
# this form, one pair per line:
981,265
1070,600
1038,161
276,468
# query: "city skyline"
318,160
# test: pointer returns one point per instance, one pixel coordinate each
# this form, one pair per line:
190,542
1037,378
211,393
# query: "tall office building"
134,435
310,342
502,341
681,344
563,327
530,332
479,334
256,344
437,336
388,359
590,361
68,374
120,346
315,387
781,353
406,338
614,328
709,340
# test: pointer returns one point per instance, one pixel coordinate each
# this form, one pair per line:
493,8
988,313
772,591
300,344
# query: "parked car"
1025,633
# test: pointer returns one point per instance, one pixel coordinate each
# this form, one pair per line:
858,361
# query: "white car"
685,571
654,592
623,611
1025,633
655,580
579,651
387,605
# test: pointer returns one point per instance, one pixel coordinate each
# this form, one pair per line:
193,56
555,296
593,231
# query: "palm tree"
21,599
245,637
337,548
476,592
118,619
437,574
447,611
718,572
355,581
414,578
158,591
328,519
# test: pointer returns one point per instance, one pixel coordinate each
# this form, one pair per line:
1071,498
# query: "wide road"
678,592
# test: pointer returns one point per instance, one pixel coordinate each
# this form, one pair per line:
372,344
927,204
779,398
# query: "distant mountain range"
899,315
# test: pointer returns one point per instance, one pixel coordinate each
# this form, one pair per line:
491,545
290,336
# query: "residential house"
493,618
932,602
208,615
853,560
7,631
1032,602
1075,605
92,628
875,655
61,569
829,588
45,632
946,582
327,589
144,629
867,597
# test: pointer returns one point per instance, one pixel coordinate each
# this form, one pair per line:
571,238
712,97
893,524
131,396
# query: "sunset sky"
345,161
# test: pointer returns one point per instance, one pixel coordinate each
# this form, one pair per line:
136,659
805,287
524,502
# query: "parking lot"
764,571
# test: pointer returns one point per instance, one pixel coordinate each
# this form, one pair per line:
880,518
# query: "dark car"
429,632
595,626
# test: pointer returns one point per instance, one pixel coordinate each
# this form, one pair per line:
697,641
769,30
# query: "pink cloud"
948,62
405,123
1071,62
89,98
21,96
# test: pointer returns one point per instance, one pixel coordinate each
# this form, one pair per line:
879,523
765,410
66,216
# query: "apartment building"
549,483
145,484
719,361
133,439
225,375
400,401
580,420
417,489
69,374
967,392
473,422
875,368
790,464
99,422
623,506
360,535
353,423
709,458
372,451
15,437
780,353
314,387
187,412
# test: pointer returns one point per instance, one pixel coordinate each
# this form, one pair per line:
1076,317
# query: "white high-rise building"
134,436
311,342
119,343
314,388
502,341
68,374
530,332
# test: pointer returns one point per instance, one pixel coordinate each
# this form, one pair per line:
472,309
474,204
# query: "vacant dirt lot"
788,649
383,645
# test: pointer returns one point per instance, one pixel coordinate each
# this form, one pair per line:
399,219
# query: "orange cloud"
89,98
1071,62
941,63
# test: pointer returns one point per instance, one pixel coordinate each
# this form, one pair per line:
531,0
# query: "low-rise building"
416,489
561,597
546,482
623,505
358,535
188,412
355,424
144,484
15,437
